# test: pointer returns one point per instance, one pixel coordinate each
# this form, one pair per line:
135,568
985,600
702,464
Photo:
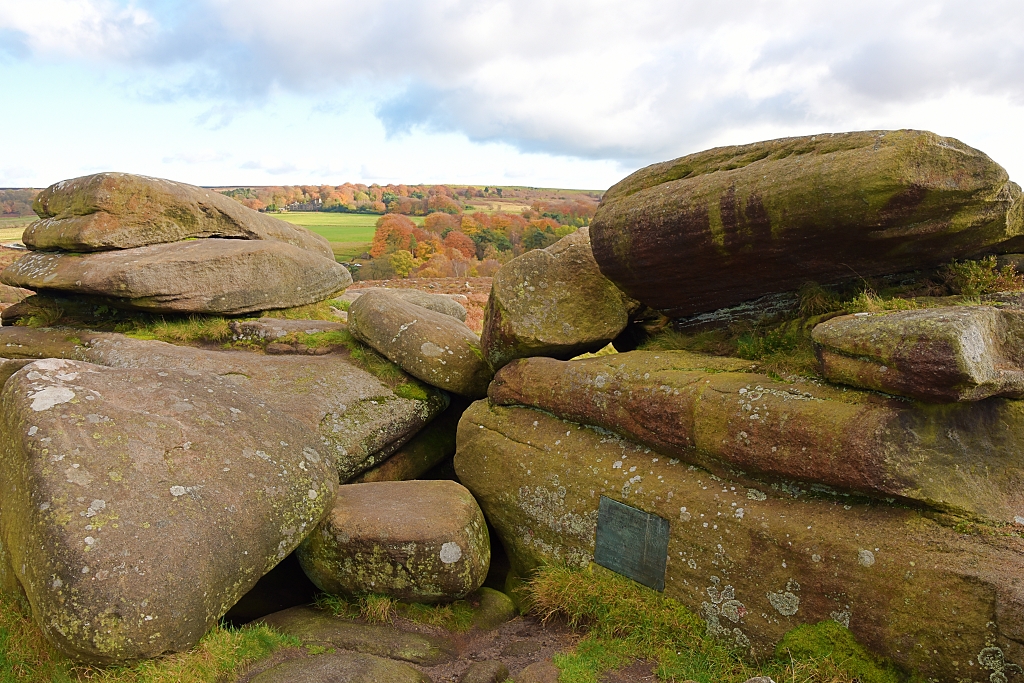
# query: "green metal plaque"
632,542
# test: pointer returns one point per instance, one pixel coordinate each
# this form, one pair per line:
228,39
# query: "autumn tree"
393,232
461,243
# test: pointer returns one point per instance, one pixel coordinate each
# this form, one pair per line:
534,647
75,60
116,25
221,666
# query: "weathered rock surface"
138,505
432,346
341,667
956,353
755,562
539,672
269,329
432,445
220,276
12,295
967,457
123,211
420,541
316,627
359,419
553,302
441,303
732,224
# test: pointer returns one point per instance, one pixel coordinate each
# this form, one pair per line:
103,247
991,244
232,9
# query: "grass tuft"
26,656
627,621
972,278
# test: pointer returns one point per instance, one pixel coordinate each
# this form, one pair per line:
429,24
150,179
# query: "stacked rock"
155,245
892,504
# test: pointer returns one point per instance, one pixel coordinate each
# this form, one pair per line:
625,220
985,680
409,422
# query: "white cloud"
598,79
75,28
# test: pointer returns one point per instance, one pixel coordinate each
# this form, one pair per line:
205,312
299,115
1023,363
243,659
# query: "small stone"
540,672
420,541
489,671
279,349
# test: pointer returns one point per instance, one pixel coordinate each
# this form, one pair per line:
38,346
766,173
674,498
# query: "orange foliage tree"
394,232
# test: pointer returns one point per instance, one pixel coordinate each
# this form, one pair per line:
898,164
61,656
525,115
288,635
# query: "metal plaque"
632,542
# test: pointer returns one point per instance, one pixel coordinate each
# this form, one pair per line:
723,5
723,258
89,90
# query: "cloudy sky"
565,93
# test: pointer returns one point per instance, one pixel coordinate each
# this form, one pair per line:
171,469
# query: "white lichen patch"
451,552
46,398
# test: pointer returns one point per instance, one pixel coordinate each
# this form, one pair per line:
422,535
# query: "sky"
544,93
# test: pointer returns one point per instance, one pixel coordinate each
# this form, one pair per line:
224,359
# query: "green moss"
627,621
827,639
412,390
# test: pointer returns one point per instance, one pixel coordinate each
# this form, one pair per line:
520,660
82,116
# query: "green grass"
26,657
627,621
350,234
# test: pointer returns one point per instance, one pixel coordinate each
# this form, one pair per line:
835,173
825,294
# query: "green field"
350,234
11,228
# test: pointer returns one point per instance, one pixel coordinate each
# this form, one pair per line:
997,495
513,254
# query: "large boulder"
436,348
442,303
937,595
219,276
954,353
431,446
123,211
138,505
967,457
553,302
360,419
418,541
732,224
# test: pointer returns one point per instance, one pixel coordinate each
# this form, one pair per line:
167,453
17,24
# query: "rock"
539,672
341,667
316,627
13,295
760,679
956,353
269,329
418,541
360,420
139,505
123,211
491,608
441,303
489,671
432,445
732,224
929,592
552,302
226,277
431,346
966,458
278,349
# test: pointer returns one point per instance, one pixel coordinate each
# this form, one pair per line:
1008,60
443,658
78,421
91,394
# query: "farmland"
350,234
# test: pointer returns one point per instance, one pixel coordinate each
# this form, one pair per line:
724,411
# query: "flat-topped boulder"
553,302
442,303
122,211
733,224
435,347
215,276
319,627
954,353
964,457
341,667
359,419
418,541
755,561
138,505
